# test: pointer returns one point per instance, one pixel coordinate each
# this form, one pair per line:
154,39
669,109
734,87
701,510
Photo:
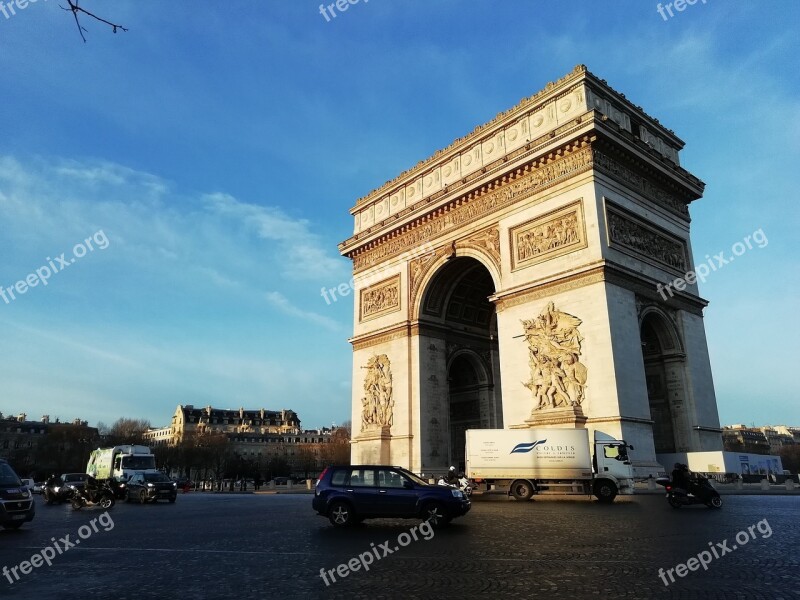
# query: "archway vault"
457,315
664,364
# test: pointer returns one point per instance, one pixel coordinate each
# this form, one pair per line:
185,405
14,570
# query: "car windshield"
155,477
75,477
412,477
7,475
138,463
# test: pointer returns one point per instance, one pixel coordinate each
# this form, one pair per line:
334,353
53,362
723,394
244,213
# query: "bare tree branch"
75,9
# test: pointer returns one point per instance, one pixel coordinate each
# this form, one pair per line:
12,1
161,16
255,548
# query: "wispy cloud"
283,304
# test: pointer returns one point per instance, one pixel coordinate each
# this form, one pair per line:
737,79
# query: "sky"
197,170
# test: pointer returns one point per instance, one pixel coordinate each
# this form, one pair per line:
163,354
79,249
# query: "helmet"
452,468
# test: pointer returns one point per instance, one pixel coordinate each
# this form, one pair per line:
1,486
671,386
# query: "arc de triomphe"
511,280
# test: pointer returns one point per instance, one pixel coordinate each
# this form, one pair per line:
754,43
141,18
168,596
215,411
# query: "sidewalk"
729,489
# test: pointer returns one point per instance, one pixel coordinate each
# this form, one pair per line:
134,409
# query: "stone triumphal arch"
511,280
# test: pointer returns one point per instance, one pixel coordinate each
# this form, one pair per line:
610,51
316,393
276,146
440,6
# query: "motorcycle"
99,494
700,491
463,484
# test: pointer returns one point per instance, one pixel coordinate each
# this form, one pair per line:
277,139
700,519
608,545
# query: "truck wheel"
522,490
605,490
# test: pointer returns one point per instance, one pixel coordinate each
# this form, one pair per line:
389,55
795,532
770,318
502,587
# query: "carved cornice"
381,337
652,191
550,288
579,78
544,173
611,419
473,136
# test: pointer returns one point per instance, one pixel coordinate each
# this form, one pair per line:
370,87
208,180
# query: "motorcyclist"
91,488
680,476
451,478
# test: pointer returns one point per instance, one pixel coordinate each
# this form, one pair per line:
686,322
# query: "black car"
151,487
350,494
16,501
61,489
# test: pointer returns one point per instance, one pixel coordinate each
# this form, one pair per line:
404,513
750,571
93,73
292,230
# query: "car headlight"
174,485
150,485
57,489
457,493
28,494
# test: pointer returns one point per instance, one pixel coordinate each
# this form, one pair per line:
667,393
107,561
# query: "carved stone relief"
487,241
627,232
558,378
380,299
377,405
548,236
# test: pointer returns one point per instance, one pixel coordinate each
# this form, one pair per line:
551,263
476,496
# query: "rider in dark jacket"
680,476
451,476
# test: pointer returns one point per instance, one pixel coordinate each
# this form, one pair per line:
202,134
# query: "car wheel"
107,502
435,514
341,514
143,497
605,490
127,497
522,490
16,525
76,504
715,502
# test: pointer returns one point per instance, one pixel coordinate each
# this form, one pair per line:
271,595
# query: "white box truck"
525,462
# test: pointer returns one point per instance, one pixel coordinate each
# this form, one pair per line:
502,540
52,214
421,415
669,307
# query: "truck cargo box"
528,453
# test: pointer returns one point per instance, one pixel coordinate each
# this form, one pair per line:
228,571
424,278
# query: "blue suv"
350,494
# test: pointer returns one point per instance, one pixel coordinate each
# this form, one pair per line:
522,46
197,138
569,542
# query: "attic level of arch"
669,189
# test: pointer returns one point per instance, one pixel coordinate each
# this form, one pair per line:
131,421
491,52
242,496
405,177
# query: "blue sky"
219,146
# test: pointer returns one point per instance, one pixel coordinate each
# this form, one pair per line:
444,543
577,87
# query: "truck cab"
611,463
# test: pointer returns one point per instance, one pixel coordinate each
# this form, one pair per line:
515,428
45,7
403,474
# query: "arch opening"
458,327
663,365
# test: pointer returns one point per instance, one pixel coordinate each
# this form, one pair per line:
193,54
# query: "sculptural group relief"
558,377
377,404
548,236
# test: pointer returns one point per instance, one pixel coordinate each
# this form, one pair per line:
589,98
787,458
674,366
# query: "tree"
127,431
307,459
337,450
77,11
790,457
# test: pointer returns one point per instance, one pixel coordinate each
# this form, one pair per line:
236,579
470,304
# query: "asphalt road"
273,546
